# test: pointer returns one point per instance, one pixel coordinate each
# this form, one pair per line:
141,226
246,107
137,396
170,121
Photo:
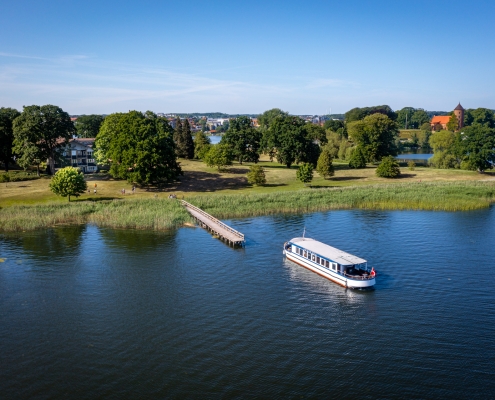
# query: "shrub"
357,158
256,175
305,173
4,178
324,166
411,165
388,168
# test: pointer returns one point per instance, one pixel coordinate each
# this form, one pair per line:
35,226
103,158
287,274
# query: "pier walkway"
223,231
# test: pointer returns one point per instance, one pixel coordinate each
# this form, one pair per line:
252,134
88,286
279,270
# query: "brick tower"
459,113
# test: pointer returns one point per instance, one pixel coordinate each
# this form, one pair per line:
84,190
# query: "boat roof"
327,251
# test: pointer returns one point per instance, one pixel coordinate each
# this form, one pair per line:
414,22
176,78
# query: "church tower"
459,113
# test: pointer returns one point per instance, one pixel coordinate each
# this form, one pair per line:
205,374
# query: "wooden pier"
217,227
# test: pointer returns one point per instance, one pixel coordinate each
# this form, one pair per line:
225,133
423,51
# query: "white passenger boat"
338,266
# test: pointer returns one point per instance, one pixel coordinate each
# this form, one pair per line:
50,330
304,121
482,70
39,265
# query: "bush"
305,173
357,158
411,165
4,178
256,175
388,168
324,166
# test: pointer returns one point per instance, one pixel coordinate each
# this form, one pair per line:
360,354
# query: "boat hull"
334,277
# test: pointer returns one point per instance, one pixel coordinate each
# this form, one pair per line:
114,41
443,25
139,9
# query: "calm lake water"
99,313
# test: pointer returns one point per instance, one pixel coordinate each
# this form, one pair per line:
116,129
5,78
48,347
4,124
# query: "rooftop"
327,251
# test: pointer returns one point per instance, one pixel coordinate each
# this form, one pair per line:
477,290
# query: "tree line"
143,147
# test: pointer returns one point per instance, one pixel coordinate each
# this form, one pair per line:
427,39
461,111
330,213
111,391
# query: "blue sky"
246,57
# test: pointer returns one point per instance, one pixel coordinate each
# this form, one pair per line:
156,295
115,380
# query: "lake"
89,313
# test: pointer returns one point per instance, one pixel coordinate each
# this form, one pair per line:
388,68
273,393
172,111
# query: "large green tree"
287,140
388,168
357,113
477,146
39,133
219,156
481,116
419,118
88,126
266,119
7,116
404,117
376,135
139,147
244,139
68,181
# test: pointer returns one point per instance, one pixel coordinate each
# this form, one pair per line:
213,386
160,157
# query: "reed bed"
457,196
153,214
164,214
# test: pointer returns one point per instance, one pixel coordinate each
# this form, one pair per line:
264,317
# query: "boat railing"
211,218
359,277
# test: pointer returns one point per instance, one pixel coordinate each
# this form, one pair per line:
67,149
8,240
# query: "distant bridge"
223,231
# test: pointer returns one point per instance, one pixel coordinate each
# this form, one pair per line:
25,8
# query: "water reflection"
137,241
53,242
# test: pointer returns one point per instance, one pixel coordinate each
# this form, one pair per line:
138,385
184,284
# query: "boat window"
334,266
313,257
318,260
327,263
305,254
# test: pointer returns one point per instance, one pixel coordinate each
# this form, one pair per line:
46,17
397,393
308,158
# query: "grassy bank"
458,196
153,214
163,214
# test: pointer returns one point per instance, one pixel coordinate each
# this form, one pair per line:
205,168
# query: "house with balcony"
79,153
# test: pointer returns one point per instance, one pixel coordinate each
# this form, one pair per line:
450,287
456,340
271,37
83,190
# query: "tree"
305,173
453,124
265,120
357,158
256,175
419,118
333,124
243,139
180,150
483,116
187,140
324,166
68,181
7,116
139,147
388,168
477,145
200,142
88,126
442,140
219,156
107,134
40,132
357,113
404,117
375,135
287,139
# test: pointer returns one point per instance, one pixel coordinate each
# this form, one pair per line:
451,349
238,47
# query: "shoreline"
165,214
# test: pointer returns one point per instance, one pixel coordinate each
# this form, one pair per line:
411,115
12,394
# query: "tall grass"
458,196
163,214
155,214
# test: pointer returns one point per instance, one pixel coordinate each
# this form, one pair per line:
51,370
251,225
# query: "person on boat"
373,273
